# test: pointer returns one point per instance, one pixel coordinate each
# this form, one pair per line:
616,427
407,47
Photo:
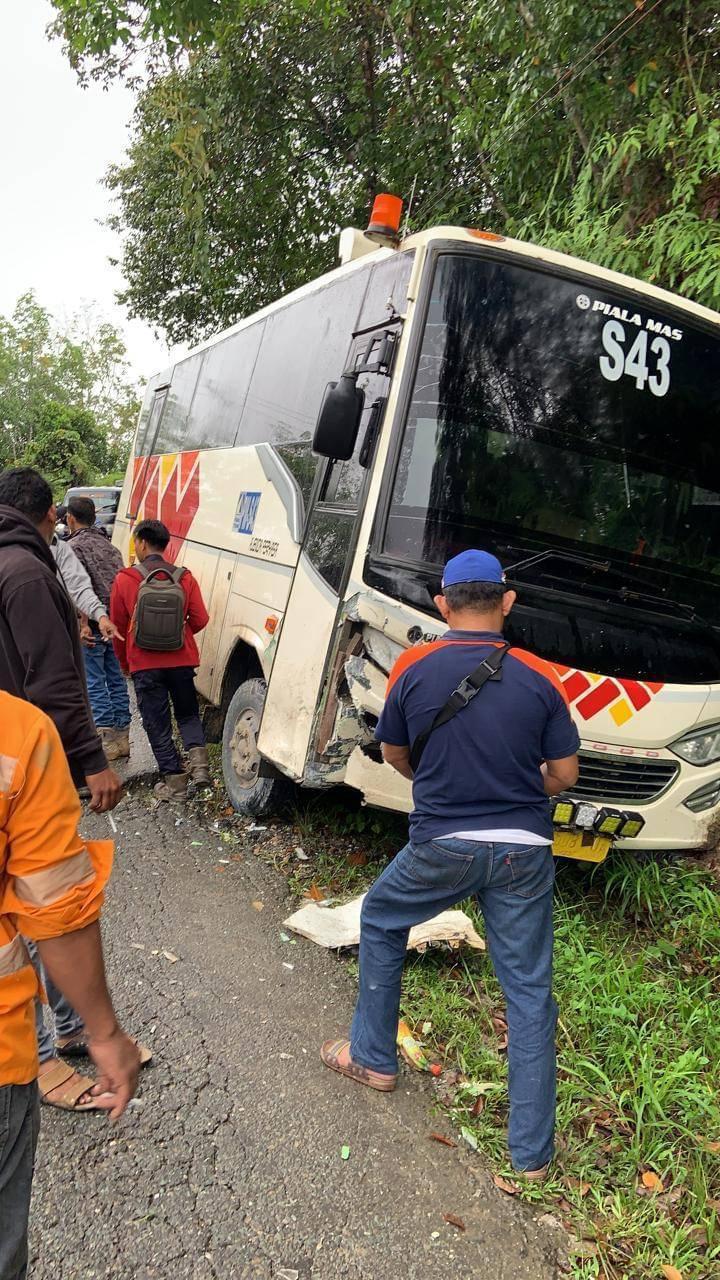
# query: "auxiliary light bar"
582,816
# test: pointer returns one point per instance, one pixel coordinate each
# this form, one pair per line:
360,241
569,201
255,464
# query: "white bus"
489,393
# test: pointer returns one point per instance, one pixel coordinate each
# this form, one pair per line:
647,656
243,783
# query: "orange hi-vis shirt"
51,880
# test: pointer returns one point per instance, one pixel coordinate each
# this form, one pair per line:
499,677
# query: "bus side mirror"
339,419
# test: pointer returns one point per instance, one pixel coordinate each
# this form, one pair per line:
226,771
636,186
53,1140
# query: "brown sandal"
77,1047
330,1054
69,1100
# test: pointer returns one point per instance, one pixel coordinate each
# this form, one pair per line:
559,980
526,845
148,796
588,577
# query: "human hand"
105,790
108,630
86,635
117,1059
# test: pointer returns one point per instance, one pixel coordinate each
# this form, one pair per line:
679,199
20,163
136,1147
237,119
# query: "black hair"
83,509
154,532
481,597
25,489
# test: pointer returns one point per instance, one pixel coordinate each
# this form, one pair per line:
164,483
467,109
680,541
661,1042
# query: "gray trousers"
19,1126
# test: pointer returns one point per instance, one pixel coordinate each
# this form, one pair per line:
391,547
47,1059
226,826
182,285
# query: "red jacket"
123,599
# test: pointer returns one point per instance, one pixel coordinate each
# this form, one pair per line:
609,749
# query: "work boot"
199,766
116,743
107,737
172,787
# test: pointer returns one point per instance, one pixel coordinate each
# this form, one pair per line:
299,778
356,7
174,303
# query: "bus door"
312,625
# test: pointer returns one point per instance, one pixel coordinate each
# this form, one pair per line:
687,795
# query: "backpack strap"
469,688
172,571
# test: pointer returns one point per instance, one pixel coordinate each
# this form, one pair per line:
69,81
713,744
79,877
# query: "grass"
637,978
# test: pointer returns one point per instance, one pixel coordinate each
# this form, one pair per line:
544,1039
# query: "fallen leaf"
652,1181
478,1106
454,1221
440,1137
301,855
316,894
170,955
671,1273
139,946
711,1146
714,1205
259,906
633,88
510,1188
220,870
357,859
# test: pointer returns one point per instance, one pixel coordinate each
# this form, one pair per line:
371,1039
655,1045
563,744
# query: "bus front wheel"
251,790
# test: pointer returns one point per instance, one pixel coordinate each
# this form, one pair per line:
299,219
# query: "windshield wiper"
602,565
627,595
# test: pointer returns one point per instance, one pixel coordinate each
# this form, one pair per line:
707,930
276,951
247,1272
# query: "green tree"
263,127
67,401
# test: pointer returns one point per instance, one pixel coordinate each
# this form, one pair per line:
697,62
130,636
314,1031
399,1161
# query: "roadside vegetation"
636,1182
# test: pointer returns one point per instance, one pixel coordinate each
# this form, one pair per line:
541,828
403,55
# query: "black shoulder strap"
468,689
172,571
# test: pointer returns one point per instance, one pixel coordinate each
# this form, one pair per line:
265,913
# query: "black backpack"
160,610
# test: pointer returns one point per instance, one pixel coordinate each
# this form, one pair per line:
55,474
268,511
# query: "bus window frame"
379,568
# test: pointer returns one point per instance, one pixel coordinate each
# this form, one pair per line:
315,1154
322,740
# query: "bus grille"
622,779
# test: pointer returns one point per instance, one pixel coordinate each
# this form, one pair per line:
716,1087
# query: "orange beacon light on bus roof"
385,217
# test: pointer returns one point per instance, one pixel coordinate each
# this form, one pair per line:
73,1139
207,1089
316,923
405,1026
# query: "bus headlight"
702,747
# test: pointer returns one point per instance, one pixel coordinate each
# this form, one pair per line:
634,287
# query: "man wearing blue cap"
485,734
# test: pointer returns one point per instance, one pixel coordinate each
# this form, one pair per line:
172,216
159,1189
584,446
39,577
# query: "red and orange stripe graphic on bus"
167,487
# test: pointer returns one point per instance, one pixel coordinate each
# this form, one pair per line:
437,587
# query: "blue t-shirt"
481,770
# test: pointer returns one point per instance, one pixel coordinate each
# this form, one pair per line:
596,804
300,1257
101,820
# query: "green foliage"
61,458
637,971
264,127
67,405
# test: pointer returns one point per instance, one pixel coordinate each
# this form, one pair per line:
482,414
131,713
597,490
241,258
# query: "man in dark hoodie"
40,655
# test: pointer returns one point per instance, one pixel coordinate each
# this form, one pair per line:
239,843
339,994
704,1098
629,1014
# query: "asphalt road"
228,1165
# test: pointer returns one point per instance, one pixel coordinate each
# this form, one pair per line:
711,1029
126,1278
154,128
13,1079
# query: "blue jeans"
107,686
65,1021
513,884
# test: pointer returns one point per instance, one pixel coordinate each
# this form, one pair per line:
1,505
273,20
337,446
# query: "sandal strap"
74,1093
52,1079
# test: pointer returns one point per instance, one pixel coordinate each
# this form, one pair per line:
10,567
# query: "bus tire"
250,791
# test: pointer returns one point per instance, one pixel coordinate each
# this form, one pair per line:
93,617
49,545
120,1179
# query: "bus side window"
148,430
172,435
304,347
219,400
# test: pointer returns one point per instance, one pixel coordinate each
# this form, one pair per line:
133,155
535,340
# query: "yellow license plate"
583,845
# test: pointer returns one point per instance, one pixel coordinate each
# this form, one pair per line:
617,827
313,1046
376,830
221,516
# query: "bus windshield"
556,413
